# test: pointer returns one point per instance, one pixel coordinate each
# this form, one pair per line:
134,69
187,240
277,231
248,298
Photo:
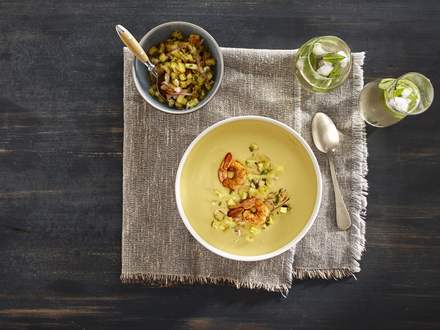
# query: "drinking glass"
385,102
323,63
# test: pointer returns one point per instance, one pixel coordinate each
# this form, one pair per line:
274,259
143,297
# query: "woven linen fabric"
157,249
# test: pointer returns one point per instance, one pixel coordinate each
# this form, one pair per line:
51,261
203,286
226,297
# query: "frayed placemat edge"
170,280
325,274
359,170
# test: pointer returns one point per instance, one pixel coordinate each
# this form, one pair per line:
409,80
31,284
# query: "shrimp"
252,210
228,165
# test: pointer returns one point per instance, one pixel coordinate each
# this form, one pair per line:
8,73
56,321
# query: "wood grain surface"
61,161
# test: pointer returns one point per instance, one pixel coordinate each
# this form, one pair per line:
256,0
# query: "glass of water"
323,63
387,101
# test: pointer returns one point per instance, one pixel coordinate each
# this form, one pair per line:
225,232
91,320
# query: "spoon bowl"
324,132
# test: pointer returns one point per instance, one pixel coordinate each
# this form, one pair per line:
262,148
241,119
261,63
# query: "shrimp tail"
247,203
235,212
224,165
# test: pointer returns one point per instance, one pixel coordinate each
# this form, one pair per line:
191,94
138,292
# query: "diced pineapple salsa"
187,67
255,205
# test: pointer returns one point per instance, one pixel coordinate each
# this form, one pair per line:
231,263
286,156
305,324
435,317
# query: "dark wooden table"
61,134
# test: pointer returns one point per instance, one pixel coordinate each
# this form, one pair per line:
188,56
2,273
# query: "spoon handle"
342,217
132,44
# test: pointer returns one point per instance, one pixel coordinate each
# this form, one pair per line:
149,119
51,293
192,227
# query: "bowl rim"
284,248
219,76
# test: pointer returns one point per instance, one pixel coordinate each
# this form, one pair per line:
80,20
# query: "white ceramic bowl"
308,224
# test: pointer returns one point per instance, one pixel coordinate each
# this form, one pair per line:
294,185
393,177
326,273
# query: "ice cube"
399,103
325,68
318,50
342,53
344,61
406,92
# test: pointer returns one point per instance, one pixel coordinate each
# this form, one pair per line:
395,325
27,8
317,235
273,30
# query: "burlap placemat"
157,249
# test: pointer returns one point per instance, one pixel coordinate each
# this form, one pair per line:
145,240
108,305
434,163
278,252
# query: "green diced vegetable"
252,192
210,61
229,222
181,67
218,193
284,209
153,50
253,147
163,57
191,66
262,189
177,35
219,225
254,230
192,103
181,100
219,215
173,66
185,83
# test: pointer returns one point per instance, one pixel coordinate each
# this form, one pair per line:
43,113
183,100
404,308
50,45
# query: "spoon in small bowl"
137,50
326,139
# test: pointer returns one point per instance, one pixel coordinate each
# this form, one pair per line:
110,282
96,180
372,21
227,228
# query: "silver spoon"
137,50
326,139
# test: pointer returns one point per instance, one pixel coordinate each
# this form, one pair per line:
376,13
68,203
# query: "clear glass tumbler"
385,102
323,63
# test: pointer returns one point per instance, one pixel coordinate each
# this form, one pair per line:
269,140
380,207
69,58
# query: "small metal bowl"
161,33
